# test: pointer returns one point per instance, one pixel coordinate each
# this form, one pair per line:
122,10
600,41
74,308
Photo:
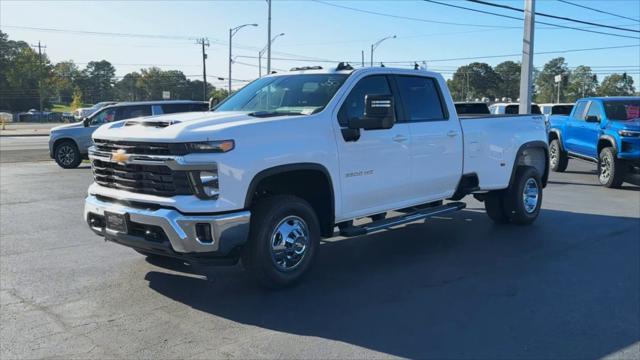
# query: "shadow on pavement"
456,287
623,187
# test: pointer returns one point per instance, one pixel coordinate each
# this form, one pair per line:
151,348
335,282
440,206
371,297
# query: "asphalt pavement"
15,149
454,287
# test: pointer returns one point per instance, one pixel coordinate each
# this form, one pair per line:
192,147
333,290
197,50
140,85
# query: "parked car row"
69,144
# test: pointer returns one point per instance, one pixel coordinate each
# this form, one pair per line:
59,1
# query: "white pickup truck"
291,157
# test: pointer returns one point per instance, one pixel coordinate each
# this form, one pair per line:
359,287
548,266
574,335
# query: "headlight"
210,146
629,133
206,184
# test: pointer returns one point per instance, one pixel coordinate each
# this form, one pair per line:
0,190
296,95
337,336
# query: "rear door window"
421,98
129,112
177,108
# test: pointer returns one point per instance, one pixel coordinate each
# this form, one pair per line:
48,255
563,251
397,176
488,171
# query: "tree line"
28,79
480,80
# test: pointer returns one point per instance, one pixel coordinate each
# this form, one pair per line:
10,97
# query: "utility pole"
362,58
204,42
268,39
526,73
40,47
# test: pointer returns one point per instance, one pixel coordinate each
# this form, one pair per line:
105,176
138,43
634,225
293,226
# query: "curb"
22,135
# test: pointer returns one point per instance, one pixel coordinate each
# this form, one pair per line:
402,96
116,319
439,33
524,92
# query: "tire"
523,198
494,205
274,262
558,159
611,170
67,155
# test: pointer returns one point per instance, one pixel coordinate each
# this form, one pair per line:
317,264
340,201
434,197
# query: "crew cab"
292,157
69,144
603,130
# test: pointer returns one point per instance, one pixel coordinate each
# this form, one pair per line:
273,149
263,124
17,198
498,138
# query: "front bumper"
167,230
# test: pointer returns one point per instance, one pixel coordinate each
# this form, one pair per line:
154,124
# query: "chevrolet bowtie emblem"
120,156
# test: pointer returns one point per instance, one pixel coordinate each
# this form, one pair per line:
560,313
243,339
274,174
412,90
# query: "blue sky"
313,30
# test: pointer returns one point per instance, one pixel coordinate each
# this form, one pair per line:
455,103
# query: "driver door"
374,168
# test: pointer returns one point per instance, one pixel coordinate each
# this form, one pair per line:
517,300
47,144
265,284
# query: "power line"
597,10
409,17
537,22
564,18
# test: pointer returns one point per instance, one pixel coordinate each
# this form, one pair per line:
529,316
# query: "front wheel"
558,159
283,242
67,155
610,169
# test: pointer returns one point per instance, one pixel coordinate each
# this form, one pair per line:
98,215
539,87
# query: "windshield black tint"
303,94
622,109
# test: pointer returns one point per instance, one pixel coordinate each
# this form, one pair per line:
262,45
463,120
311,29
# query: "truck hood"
180,127
75,125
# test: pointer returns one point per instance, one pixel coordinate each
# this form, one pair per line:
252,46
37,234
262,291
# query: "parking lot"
454,287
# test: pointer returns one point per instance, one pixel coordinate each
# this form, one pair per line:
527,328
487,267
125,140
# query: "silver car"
69,144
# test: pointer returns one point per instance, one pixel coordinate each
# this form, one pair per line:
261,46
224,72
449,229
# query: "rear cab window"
133,111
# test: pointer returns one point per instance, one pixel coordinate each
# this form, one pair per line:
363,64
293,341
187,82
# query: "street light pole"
269,39
232,32
261,53
376,44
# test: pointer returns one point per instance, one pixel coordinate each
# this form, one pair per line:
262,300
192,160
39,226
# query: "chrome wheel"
289,243
605,169
530,195
66,155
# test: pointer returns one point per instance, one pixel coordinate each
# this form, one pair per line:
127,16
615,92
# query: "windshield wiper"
273,113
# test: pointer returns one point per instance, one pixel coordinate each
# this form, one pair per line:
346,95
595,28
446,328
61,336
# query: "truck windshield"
622,109
300,94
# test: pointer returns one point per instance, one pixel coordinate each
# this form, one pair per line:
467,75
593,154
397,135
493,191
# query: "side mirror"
592,119
85,121
379,114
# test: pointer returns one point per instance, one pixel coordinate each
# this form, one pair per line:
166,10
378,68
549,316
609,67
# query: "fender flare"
283,169
558,133
610,139
539,144
60,140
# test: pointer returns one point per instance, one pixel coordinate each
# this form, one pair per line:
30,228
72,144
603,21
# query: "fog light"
203,233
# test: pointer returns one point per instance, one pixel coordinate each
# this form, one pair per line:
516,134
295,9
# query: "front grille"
141,148
145,179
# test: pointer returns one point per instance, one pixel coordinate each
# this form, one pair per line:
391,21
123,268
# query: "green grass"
61,108
65,107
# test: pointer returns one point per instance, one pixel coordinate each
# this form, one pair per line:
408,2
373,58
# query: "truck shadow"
456,287
632,186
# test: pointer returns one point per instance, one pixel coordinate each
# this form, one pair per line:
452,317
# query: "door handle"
400,138
452,133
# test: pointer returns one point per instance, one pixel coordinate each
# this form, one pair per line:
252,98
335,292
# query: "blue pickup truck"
604,130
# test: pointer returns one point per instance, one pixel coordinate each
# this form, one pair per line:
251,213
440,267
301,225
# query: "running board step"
402,219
